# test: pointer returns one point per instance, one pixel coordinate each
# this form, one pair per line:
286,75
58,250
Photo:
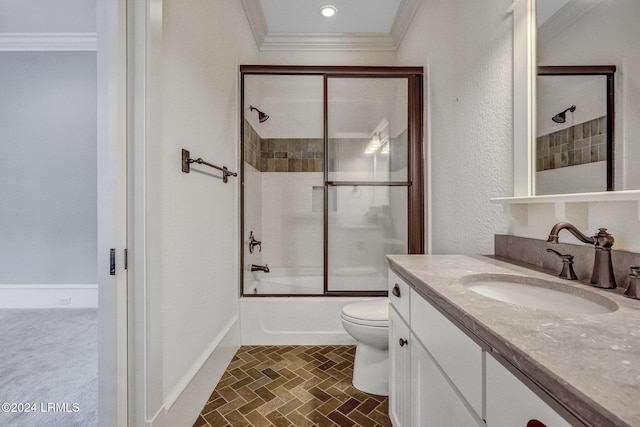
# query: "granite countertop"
590,363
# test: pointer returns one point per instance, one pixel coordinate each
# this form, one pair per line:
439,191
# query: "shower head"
562,117
262,117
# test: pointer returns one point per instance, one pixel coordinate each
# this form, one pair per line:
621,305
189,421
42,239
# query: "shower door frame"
415,159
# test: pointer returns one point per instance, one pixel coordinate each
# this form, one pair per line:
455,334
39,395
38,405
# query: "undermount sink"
538,293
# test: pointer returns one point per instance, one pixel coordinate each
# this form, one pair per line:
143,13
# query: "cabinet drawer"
399,294
457,355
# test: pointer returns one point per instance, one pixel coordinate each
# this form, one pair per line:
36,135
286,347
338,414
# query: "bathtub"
294,320
309,281
300,320
287,281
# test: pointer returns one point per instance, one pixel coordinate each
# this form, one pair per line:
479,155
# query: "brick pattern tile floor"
292,386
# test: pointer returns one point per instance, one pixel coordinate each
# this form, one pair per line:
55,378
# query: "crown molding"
406,11
329,41
48,42
257,22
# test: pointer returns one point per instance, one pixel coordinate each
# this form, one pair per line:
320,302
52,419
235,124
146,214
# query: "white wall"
48,168
46,16
193,329
466,49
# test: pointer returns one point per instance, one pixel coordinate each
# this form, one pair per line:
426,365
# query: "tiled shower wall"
576,145
283,155
307,154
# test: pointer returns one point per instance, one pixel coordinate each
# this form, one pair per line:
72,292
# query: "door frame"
112,212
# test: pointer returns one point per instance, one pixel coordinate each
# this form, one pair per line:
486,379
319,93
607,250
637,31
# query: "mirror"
575,112
586,33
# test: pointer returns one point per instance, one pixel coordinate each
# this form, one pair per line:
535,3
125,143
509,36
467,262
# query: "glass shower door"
282,179
367,180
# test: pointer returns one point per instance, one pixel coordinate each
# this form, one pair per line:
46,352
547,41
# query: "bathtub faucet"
264,268
602,276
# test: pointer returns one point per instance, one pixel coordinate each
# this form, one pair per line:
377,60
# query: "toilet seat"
367,313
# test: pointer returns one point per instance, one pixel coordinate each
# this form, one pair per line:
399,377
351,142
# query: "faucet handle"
567,265
603,239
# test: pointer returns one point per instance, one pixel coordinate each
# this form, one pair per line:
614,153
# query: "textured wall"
467,49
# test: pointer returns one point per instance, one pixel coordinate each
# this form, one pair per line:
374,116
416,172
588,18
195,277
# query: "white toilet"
368,323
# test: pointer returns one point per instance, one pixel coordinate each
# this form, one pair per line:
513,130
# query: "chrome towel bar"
187,160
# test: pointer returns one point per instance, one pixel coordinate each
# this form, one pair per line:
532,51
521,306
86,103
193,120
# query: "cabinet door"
434,402
458,356
511,404
399,370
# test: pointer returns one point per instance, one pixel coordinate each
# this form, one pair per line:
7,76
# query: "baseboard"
183,404
49,296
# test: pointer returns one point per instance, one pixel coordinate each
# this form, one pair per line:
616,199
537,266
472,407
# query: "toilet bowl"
368,323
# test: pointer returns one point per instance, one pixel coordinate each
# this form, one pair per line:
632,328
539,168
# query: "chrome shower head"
262,117
562,117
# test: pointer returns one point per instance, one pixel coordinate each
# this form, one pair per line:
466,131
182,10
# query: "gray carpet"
49,360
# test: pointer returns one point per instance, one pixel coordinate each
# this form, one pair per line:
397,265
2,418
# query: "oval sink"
538,293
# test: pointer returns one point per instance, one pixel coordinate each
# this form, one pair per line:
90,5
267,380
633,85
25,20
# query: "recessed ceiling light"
328,10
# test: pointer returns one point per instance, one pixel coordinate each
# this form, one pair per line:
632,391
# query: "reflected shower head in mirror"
562,117
261,116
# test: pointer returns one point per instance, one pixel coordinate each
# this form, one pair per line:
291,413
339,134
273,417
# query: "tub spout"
264,268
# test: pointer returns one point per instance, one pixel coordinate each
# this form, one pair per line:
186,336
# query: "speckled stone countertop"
590,363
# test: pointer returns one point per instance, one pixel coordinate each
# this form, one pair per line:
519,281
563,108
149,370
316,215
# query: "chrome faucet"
264,268
602,276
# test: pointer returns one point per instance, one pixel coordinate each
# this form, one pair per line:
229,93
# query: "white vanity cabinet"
512,404
399,352
435,370
441,377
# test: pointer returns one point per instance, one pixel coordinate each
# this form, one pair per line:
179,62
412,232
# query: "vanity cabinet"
429,384
441,377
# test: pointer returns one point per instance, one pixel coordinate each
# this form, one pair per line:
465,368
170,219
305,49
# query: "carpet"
49,367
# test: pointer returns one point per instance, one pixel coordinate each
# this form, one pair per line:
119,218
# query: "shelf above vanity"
567,207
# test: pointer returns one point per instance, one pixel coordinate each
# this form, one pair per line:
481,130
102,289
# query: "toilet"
368,323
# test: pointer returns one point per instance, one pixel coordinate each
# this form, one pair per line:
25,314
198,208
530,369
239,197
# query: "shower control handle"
403,342
253,243
396,291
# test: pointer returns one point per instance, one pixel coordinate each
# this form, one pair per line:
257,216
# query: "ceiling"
357,25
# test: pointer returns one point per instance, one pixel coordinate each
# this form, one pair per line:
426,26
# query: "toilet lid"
372,313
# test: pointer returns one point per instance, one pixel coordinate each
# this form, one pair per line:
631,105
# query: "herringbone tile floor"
292,386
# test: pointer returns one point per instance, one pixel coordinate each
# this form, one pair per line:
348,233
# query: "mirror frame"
608,71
